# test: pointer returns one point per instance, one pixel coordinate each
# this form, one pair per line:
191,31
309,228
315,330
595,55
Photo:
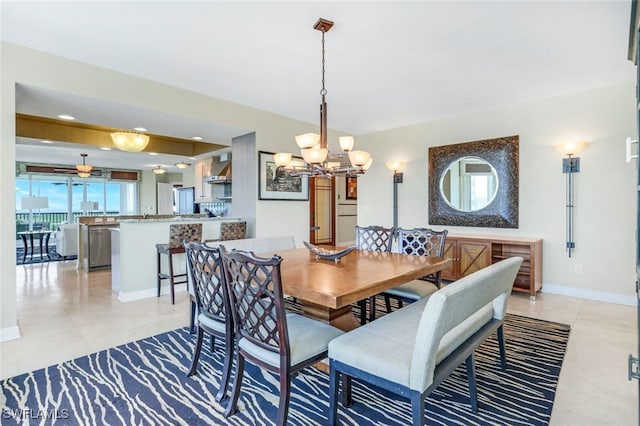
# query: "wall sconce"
396,167
570,165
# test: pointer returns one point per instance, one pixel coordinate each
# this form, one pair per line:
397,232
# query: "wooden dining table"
326,289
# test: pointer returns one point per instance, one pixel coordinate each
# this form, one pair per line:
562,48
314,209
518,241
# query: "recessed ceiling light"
47,141
197,138
105,148
140,129
66,117
192,158
153,153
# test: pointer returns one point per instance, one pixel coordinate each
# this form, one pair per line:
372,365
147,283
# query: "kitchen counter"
134,255
181,219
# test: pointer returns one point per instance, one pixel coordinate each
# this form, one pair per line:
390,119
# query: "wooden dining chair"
417,242
214,314
375,238
266,335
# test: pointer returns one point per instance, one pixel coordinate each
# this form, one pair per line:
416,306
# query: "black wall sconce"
396,167
570,166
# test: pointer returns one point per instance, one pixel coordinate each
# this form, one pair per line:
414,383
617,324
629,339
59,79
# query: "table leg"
31,244
341,318
46,244
24,243
40,241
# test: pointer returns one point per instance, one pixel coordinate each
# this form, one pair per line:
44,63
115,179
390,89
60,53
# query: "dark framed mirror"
475,183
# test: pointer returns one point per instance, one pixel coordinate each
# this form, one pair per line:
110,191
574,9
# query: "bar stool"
177,235
233,231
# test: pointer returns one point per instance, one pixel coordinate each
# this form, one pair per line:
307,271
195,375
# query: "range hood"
220,171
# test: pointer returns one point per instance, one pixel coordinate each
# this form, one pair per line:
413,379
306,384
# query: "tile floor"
64,313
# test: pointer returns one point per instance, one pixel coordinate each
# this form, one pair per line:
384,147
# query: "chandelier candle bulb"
308,140
314,155
346,143
282,159
359,158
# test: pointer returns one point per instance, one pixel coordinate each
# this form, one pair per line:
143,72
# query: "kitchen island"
133,254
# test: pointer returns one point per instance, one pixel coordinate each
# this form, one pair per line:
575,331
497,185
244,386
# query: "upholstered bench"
412,350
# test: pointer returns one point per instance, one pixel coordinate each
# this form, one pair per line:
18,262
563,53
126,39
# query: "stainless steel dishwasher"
99,247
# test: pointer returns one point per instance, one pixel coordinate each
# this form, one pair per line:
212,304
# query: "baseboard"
148,293
9,333
600,296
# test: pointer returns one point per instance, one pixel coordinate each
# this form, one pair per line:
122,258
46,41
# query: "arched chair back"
266,335
417,242
204,264
423,242
374,238
377,238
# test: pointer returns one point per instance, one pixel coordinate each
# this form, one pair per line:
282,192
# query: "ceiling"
388,64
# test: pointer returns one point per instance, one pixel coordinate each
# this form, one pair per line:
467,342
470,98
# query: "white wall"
30,67
603,265
605,192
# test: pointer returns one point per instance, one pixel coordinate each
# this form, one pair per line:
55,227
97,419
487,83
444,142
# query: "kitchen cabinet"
202,189
471,253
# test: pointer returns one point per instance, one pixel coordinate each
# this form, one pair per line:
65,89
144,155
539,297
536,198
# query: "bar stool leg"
171,279
159,272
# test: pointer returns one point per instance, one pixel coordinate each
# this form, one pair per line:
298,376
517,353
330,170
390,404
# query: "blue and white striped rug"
145,383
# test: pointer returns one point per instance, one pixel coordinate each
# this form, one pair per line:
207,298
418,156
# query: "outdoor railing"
51,220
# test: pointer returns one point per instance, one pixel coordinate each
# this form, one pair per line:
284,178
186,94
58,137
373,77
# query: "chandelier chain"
323,92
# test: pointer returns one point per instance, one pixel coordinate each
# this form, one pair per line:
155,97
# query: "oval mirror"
469,184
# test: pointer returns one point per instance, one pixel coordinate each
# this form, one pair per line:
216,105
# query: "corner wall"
602,266
30,67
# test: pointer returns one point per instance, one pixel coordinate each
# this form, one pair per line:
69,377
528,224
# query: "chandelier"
84,170
159,170
318,161
130,141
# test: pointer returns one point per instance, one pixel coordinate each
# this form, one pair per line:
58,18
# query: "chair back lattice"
376,238
423,242
255,291
233,231
205,266
179,233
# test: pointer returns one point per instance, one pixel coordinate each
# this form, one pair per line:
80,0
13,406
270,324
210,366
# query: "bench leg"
503,354
471,378
417,408
333,395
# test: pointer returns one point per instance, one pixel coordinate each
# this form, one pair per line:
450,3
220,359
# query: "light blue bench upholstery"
412,350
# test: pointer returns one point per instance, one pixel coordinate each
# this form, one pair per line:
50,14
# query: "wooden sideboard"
474,252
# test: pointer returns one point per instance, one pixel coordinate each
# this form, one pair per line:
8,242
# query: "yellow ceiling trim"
31,126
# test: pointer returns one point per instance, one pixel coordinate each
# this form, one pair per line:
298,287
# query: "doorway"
322,227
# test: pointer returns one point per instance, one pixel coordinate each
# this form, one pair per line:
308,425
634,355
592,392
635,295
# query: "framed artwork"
273,184
352,187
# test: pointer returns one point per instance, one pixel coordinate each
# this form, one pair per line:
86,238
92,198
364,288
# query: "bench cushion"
385,347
